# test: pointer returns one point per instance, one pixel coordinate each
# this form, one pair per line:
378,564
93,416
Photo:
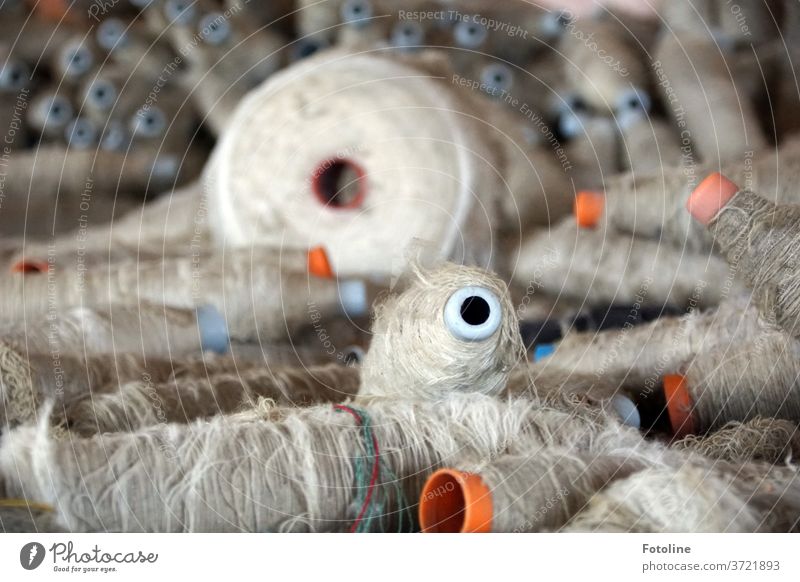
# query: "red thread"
375,467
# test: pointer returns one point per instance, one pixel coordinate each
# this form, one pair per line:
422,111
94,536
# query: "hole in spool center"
443,507
475,310
339,184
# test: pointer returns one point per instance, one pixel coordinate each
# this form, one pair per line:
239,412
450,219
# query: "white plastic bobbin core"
473,314
213,329
626,410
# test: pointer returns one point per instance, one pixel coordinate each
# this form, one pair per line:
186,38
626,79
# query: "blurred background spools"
330,236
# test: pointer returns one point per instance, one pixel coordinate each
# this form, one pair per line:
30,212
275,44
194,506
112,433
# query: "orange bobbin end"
455,502
679,405
51,10
29,267
589,207
714,192
318,263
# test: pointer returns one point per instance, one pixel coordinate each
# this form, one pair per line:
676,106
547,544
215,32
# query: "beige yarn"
606,65
140,404
760,439
694,499
261,293
630,199
414,354
746,380
543,491
429,171
647,144
603,267
637,357
704,99
593,153
271,469
760,240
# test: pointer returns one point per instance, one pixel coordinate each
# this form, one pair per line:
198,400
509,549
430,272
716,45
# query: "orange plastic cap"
318,263
28,267
714,192
589,207
679,405
455,502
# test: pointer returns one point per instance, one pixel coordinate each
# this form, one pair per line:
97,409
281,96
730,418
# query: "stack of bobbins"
339,169
627,201
402,440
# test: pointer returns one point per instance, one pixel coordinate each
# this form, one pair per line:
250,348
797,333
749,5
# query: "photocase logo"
31,555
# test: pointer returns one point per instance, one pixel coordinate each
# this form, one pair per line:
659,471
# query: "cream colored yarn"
414,354
272,469
429,172
629,198
604,267
694,499
760,439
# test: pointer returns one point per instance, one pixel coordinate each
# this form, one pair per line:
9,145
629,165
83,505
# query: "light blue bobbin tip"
626,410
213,330
541,351
353,297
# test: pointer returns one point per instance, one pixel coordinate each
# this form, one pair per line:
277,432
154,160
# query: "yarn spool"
49,112
338,178
318,19
628,204
601,64
173,225
232,57
760,241
73,60
592,149
718,119
151,331
604,267
557,326
41,185
635,358
365,24
647,144
453,329
735,383
413,439
760,439
137,405
128,44
518,493
693,498
260,294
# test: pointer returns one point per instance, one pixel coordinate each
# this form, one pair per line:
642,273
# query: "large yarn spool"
704,99
518,493
337,147
761,240
141,404
760,439
736,383
695,499
628,204
289,469
605,267
260,293
454,329
601,63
